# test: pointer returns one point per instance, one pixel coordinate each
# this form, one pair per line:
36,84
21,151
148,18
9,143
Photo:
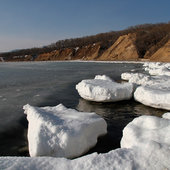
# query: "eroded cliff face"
123,49
64,54
162,54
89,52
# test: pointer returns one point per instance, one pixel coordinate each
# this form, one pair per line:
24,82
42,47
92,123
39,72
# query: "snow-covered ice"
145,145
158,98
61,132
166,115
145,79
154,87
120,159
157,68
147,129
136,78
151,135
103,89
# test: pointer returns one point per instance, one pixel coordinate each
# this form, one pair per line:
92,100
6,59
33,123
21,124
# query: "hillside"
123,49
142,42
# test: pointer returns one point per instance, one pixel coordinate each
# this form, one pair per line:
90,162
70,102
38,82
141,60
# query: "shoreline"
83,61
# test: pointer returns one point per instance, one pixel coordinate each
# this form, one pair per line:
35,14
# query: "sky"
35,23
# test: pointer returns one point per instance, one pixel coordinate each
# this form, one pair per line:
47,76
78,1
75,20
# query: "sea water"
52,83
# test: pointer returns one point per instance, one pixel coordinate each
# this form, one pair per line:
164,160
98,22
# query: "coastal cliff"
124,49
150,42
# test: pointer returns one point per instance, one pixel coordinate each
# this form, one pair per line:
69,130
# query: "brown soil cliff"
123,49
55,55
89,52
148,42
162,54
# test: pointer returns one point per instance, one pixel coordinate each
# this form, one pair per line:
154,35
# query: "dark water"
51,83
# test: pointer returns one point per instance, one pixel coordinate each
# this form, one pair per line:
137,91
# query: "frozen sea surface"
52,83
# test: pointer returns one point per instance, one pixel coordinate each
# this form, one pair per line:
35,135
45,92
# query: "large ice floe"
154,87
154,97
151,136
145,145
103,89
61,132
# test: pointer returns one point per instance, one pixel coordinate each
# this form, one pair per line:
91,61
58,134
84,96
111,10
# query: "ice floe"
61,132
157,68
120,159
137,78
154,97
145,145
154,87
146,80
103,89
151,135
147,129
166,115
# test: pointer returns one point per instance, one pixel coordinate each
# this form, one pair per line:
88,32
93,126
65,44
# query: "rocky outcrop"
123,49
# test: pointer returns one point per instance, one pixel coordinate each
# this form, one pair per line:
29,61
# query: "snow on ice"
157,68
103,89
120,159
61,132
145,145
158,98
150,134
154,87
166,115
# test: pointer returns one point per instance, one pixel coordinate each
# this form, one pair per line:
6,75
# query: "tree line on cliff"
149,37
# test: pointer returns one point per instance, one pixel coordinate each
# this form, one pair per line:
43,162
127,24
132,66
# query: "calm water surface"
52,83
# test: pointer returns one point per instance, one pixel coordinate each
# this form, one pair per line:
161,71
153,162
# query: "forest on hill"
149,38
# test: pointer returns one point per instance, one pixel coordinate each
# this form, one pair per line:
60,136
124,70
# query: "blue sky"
33,23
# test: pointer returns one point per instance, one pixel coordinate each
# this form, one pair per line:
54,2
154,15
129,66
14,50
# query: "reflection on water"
117,110
141,109
117,116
